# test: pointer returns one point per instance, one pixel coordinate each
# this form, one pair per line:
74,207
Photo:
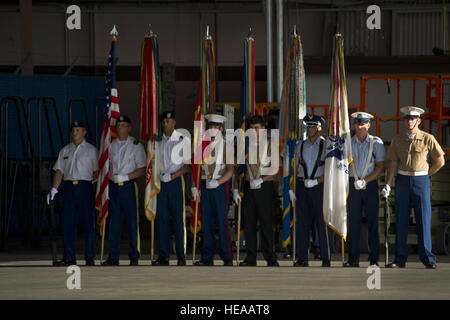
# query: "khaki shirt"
253,171
412,155
215,170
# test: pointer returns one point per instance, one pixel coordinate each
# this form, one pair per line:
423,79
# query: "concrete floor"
29,275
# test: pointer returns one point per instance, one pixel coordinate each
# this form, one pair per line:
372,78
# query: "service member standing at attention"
408,156
214,198
310,156
258,201
170,201
77,164
368,163
128,162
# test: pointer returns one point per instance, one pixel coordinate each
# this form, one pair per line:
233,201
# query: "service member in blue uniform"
170,199
258,199
368,163
77,164
127,163
310,157
408,154
214,198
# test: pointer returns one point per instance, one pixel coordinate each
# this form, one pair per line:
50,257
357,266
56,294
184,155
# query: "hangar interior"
51,75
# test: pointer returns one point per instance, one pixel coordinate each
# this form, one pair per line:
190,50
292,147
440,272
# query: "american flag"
110,115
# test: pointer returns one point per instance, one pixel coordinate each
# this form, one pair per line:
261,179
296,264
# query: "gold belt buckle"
209,177
120,184
75,182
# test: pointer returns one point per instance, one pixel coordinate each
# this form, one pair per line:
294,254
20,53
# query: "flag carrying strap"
318,164
368,163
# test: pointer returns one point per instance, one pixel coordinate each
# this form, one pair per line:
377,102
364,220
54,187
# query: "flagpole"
196,217
238,233
153,238
103,240
294,231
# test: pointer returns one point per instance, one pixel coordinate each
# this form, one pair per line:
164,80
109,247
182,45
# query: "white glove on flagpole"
292,196
236,196
360,184
386,191
212,184
166,177
51,195
195,194
256,182
309,183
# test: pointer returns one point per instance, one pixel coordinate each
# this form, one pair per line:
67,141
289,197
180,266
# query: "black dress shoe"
204,263
181,262
228,263
246,263
394,265
90,262
273,263
134,262
317,256
373,263
326,263
430,265
59,263
110,262
160,262
301,263
349,264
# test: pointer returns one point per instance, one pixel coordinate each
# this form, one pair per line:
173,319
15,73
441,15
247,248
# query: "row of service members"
407,155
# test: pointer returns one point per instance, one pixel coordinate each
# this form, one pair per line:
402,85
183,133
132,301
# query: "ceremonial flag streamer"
205,104
247,107
151,101
338,147
110,115
292,111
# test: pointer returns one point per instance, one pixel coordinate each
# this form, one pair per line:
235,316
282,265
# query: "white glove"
360,184
195,194
256,182
166,177
121,178
292,196
236,196
212,184
51,195
386,190
309,183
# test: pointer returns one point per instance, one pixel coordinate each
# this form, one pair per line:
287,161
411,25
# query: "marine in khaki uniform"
214,198
408,156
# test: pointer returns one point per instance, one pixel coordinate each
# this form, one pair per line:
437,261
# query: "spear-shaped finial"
114,32
151,31
208,36
295,30
250,34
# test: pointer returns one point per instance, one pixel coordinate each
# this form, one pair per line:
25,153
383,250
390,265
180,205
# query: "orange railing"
434,101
